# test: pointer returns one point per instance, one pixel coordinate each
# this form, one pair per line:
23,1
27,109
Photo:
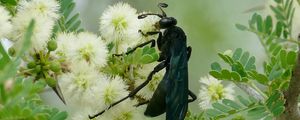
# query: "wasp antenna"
146,14
142,16
162,5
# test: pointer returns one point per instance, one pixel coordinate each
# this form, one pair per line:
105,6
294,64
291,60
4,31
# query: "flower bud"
12,51
51,82
52,45
55,66
31,65
38,68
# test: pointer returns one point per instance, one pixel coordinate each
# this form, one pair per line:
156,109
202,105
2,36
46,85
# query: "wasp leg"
189,51
156,69
194,97
142,103
149,33
141,45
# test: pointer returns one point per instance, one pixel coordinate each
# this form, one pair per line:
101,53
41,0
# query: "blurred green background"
209,26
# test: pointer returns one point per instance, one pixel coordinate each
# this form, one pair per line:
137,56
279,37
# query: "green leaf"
250,64
245,58
72,20
274,74
256,111
68,23
4,59
241,27
59,116
276,50
146,59
216,74
235,76
221,107
278,13
291,57
238,67
259,23
75,26
262,79
278,1
68,9
237,54
226,58
216,66
283,58
243,100
10,69
277,111
268,24
213,112
231,103
226,74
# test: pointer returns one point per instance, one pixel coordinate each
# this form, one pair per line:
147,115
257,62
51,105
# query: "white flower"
79,86
44,22
112,90
89,48
212,90
149,89
119,24
123,111
43,8
64,43
84,47
5,24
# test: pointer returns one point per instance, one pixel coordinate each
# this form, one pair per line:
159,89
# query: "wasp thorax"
167,22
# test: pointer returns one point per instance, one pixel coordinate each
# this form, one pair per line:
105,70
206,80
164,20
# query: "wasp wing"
177,84
177,88
157,104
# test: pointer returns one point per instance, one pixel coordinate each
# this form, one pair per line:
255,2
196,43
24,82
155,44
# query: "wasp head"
165,21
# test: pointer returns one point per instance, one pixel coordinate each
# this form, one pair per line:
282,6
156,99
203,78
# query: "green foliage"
23,102
143,55
68,22
10,5
249,107
118,65
278,68
21,99
242,67
273,36
8,68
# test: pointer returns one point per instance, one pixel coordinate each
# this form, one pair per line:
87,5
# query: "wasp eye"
163,5
142,16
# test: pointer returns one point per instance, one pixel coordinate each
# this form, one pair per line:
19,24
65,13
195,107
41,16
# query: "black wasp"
172,93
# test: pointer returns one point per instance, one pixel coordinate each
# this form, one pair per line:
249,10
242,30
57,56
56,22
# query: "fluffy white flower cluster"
83,47
119,25
86,88
77,61
212,90
44,13
5,24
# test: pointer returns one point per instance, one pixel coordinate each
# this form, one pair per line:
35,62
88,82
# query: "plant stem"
258,90
250,91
